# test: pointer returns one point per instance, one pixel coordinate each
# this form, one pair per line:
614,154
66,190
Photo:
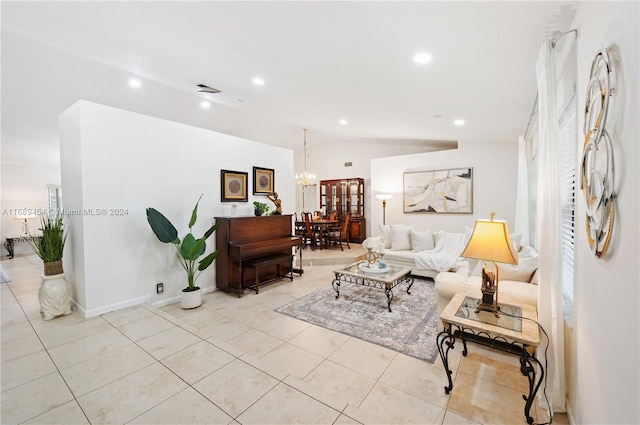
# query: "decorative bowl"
373,269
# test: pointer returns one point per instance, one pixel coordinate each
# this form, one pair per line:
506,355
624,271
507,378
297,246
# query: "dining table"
321,227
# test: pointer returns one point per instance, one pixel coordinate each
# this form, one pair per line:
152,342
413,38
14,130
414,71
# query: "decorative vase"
190,299
258,212
55,296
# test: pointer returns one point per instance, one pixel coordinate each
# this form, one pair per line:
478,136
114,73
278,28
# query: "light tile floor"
231,361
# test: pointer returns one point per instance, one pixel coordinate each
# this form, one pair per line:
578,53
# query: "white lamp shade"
24,216
490,241
384,197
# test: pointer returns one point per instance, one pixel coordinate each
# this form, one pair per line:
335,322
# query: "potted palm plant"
188,251
54,293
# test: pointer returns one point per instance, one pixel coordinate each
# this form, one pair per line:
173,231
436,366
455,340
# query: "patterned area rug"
4,277
362,312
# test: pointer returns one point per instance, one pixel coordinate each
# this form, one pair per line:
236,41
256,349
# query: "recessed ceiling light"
134,83
343,122
205,105
258,81
422,58
459,122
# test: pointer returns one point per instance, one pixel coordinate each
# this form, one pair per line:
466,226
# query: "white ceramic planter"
55,296
191,299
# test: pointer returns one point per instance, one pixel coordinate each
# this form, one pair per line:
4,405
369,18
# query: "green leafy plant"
261,207
190,249
50,245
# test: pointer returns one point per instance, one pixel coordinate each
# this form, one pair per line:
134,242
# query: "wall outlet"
159,288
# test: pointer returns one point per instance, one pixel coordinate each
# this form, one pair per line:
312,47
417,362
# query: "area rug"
361,312
4,277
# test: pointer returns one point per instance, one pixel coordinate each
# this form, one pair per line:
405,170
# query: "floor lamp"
384,198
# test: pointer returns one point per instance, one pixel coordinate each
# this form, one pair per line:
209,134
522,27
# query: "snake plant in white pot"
54,293
188,251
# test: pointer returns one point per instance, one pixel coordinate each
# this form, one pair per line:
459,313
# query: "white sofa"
427,253
403,246
516,283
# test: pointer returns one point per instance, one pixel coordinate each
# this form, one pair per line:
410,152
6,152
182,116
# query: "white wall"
24,187
119,160
327,161
494,185
607,294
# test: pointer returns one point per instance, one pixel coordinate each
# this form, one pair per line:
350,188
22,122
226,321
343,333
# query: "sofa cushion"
400,256
448,284
521,272
386,235
400,238
516,241
516,291
421,241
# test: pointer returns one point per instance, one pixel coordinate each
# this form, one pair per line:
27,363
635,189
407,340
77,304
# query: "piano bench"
265,261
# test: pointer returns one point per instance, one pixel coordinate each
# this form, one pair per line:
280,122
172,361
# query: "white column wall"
606,386
120,161
494,185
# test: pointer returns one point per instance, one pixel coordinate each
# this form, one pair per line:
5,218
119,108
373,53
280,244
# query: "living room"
115,158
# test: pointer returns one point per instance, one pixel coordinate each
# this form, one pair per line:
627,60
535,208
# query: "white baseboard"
168,301
113,307
130,303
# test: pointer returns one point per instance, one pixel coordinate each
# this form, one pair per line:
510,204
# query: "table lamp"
384,198
25,216
490,241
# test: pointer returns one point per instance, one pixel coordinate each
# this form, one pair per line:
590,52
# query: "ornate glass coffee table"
515,332
386,280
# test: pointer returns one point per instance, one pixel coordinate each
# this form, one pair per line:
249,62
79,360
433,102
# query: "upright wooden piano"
242,239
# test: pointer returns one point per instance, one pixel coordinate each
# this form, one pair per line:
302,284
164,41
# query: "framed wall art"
439,191
263,181
233,186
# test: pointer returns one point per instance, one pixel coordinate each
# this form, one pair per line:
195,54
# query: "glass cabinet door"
344,200
333,198
323,197
343,196
354,199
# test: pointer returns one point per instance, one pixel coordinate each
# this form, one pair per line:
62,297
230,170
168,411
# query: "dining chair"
298,225
340,234
309,237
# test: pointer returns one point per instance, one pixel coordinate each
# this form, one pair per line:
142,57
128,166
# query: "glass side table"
515,332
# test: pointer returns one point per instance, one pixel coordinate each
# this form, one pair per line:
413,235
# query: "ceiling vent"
206,89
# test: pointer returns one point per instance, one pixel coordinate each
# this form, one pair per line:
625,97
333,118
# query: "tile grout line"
52,361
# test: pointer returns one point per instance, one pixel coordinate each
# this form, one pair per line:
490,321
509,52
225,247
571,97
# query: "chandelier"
305,179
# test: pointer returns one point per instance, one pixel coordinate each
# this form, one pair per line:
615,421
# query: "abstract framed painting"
263,181
447,191
233,186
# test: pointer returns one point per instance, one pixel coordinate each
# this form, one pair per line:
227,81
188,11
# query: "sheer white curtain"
522,198
549,213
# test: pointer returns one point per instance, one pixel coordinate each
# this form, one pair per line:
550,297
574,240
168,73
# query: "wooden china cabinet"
345,196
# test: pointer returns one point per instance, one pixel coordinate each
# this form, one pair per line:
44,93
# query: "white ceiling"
322,61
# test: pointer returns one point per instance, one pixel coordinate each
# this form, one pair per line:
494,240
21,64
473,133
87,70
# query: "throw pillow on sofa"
400,237
386,235
421,241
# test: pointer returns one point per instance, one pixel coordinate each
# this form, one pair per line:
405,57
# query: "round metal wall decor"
597,168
